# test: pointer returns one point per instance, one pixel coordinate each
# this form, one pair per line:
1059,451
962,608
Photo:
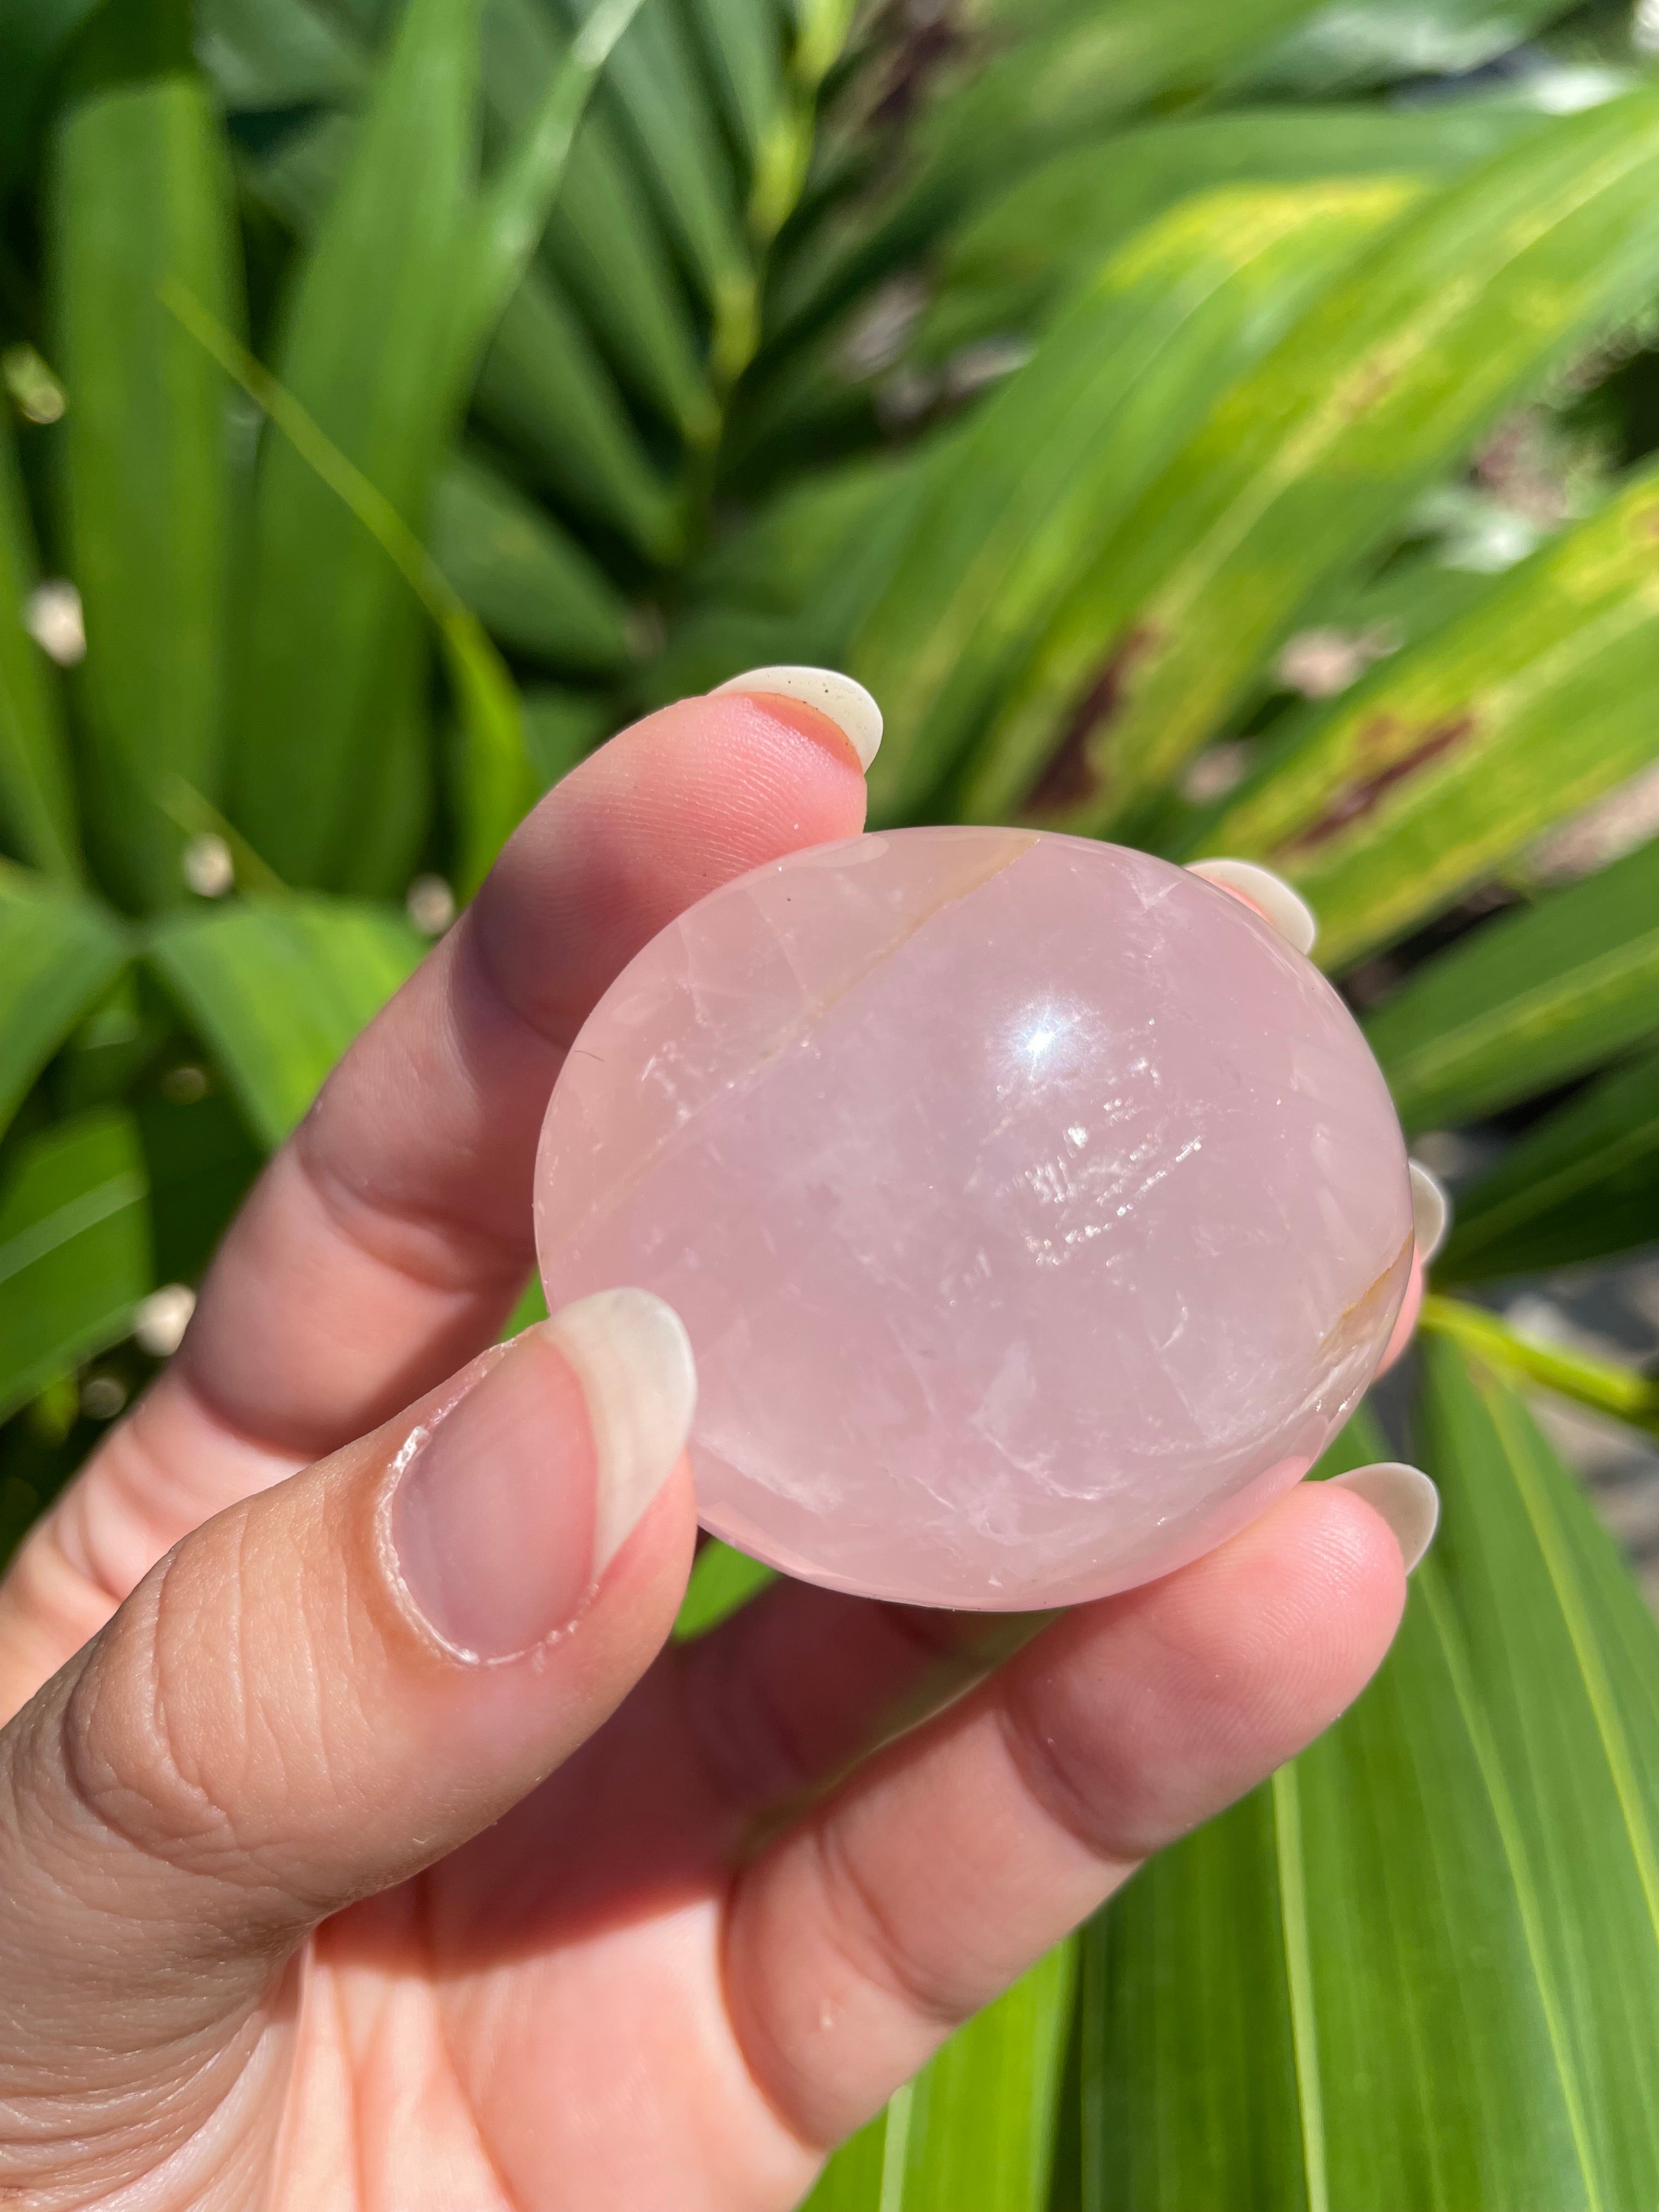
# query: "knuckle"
150,1742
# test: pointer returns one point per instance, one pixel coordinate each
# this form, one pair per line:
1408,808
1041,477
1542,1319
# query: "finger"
386,1242
1431,1219
328,1687
933,1878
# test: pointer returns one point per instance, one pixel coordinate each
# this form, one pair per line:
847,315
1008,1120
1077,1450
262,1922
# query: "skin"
297,1908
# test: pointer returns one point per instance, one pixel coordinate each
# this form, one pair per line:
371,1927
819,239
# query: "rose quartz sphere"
1036,1213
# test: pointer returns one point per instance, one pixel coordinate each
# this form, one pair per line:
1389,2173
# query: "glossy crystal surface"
1036,1213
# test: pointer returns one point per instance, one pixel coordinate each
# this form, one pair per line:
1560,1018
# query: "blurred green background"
1223,429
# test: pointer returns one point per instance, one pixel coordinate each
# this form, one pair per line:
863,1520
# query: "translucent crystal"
1036,1213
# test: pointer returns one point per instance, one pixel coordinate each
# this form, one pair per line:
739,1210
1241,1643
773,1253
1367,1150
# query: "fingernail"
1430,1211
848,704
507,1513
1270,895
634,1358
1406,1499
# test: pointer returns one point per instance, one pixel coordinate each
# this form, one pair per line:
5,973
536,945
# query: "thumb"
337,1681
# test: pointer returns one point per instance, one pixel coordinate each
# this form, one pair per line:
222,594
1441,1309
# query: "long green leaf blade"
37,795
74,1249
1306,463
1422,1966
603,239
1526,1003
277,989
1060,454
519,199
1003,270
1443,764
532,587
1075,70
1581,1184
59,952
653,84
143,201
370,353
976,2126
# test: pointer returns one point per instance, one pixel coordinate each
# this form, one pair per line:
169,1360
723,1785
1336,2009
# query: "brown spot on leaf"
1073,774
1362,798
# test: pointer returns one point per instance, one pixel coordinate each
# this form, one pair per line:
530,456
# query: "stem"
1623,1392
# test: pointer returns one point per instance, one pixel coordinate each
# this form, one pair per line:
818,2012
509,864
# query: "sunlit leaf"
1445,761
1421,1966
977,2125
1004,269
1305,463
143,200
1060,454
1080,67
1528,1001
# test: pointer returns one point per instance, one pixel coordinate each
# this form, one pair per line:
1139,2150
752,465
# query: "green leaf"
277,989
1004,269
35,35
59,952
1364,42
543,385
543,388
1060,454
797,581
1581,1184
495,780
1447,760
652,85
533,587
1305,464
1066,74
1528,1001
74,1249
562,728
269,54
143,200
722,1580
1421,1965
517,200
1603,1385
603,241
740,39
201,1162
380,286
36,798
976,2126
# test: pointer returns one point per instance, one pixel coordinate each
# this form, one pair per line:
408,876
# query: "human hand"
302,1904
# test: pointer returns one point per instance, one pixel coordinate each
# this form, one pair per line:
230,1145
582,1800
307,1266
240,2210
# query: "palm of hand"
636,1927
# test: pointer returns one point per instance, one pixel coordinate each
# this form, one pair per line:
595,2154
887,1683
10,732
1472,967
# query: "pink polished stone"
1036,1213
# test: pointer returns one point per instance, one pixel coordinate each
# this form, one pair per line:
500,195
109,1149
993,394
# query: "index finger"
388,1239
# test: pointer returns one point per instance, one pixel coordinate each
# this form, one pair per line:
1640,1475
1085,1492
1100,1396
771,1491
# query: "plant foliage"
1228,428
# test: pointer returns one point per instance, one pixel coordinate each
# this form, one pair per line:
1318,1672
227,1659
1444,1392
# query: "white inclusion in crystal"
1076,1137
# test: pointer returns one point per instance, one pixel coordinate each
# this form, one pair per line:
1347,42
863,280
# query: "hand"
301,1904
